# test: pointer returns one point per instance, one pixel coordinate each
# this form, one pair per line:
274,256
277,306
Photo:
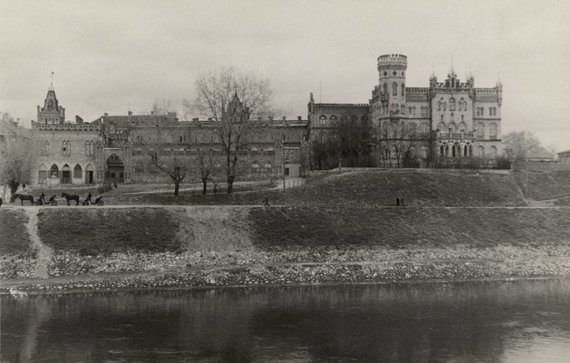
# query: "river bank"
319,265
192,246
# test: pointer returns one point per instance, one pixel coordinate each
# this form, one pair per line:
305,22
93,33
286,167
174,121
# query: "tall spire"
51,85
499,83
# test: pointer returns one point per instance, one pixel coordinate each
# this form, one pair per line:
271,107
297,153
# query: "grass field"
366,189
14,238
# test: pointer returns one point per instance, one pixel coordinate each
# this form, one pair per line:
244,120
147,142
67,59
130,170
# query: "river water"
523,321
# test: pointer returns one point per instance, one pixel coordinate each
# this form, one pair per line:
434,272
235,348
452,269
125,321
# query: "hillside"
544,185
367,189
177,229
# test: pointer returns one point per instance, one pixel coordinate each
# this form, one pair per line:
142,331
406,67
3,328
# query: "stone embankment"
279,266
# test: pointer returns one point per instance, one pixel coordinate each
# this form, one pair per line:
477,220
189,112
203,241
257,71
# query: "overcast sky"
111,55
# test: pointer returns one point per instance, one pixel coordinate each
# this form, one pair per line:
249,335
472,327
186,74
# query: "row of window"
452,128
461,105
65,174
457,150
394,89
480,111
343,118
66,148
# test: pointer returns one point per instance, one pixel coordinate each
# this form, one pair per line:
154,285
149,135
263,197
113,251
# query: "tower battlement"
399,60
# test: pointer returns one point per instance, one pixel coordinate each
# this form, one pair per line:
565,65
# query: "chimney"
299,118
284,118
78,120
130,113
106,114
209,119
195,119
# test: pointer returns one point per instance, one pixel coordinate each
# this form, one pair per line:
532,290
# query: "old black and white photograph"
284,181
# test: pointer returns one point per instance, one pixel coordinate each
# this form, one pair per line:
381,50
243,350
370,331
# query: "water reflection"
514,321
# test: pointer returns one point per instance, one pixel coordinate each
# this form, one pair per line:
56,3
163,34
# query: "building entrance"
114,169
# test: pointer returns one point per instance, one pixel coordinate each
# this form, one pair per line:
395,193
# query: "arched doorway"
89,174
66,174
115,169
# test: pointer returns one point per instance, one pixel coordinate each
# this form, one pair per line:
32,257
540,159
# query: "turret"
392,77
499,88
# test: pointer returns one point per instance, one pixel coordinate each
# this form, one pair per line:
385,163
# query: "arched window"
323,119
66,148
412,127
77,171
385,88
493,152
333,119
452,104
452,127
465,150
441,151
54,171
403,89
394,89
453,147
45,148
481,151
441,127
424,128
462,127
446,150
42,174
480,129
364,120
493,130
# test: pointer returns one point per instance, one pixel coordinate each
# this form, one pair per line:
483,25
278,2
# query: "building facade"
114,148
448,121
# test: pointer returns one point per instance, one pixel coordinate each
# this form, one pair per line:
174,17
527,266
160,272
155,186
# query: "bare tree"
207,167
233,100
162,107
525,144
398,144
167,160
16,160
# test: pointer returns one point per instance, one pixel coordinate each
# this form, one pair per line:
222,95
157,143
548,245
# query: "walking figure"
266,202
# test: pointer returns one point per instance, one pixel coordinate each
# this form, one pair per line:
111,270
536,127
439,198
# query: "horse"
69,197
23,197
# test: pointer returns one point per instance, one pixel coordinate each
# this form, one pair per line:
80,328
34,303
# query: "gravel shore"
316,265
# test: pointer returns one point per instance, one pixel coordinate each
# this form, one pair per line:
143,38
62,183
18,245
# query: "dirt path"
44,252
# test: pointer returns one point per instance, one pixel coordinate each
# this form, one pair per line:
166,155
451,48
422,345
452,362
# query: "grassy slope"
370,188
422,227
13,235
98,230
545,185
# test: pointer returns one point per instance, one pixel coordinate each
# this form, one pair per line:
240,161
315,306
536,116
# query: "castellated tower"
392,74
